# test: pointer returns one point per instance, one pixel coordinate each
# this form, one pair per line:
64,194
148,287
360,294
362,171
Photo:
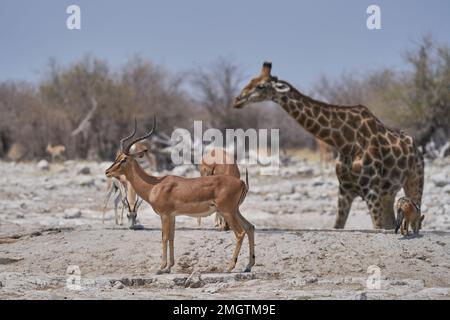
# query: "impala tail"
247,186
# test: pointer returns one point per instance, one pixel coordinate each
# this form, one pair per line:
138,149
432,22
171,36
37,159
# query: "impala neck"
141,182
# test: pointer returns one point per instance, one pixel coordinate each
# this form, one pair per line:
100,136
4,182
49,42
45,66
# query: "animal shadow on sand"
411,237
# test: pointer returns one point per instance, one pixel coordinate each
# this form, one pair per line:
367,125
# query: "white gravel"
50,220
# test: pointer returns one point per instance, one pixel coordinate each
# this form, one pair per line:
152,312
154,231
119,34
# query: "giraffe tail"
400,216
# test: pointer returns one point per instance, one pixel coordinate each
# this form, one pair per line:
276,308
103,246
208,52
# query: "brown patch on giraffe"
324,133
308,123
326,113
367,161
364,181
385,151
361,140
302,119
404,148
389,162
353,119
342,115
357,167
365,113
375,181
346,149
411,161
386,185
364,130
375,153
349,134
401,162
374,142
316,111
347,185
378,165
295,114
323,121
368,171
315,128
292,106
338,169
381,129
337,138
372,126
396,150
382,140
393,139
336,123
308,113
395,174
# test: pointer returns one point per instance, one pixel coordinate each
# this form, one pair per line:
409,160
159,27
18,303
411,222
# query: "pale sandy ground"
51,220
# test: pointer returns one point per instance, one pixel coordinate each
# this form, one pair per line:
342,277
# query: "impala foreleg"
121,215
171,242
165,228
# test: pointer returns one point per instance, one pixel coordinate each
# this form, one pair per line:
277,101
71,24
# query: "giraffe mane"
323,103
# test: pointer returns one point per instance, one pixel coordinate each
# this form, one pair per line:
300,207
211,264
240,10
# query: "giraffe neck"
325,122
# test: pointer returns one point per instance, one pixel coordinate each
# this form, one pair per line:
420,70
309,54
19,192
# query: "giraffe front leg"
345,201
388,214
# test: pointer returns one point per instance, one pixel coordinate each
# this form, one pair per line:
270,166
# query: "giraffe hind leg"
373,200
413,185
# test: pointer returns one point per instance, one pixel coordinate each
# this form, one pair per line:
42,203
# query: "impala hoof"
248,269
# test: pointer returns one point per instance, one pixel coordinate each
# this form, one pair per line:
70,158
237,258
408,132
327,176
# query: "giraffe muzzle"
238,103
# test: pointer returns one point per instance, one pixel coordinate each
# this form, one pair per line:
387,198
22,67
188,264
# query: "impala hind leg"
239,232
250,230
220,222
171,243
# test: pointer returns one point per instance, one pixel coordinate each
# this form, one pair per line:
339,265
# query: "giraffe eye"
260,86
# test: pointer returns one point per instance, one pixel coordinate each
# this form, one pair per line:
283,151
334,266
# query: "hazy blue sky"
304,39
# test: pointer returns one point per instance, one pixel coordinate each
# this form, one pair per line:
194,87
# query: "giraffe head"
262,88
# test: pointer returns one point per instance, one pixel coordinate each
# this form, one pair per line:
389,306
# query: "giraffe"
374,161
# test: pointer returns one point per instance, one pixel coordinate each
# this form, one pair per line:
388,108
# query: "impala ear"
140,154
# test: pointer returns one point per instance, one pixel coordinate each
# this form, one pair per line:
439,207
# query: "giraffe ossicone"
374,161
